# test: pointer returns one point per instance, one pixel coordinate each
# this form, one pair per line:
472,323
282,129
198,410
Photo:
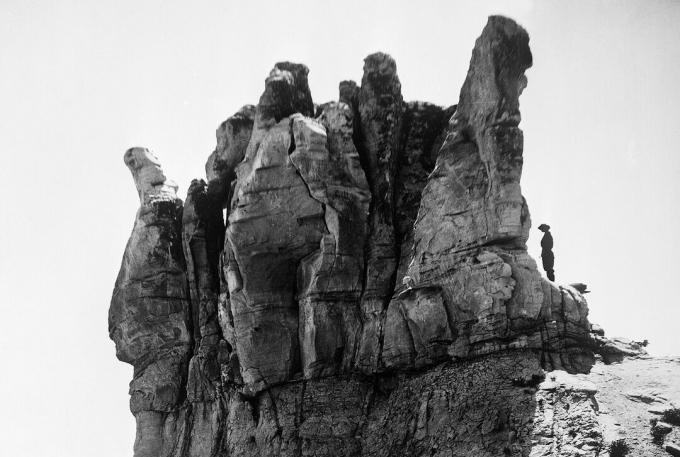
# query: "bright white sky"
80,82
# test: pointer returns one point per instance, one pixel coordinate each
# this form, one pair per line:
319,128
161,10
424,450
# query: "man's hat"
544,227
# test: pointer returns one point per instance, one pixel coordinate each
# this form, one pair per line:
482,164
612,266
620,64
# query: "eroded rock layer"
370,291
471,287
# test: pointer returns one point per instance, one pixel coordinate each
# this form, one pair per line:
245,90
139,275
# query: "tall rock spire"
149,317
472,287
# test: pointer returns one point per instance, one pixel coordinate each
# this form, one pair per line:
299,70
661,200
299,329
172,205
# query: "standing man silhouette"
546,251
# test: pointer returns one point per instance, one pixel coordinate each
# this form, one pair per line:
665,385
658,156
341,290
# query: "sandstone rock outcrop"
472,288
370,291
233,136
295,239
148,317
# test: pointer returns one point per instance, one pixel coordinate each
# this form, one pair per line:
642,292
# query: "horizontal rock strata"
369,292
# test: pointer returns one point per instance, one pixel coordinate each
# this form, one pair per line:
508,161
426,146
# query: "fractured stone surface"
370,291
469,238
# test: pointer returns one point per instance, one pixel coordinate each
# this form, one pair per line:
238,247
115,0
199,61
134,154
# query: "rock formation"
370,291
149,314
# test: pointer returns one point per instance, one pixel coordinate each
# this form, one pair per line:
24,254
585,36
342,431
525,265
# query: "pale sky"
80,82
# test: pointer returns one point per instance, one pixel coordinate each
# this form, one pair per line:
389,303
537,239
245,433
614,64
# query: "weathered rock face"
149,314
370,292
295,241
233,136
471,287
380,108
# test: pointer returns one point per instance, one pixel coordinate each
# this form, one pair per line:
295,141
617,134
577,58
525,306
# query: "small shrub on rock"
658,435
671,416
618,448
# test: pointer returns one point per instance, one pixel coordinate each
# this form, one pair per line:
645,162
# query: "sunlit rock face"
471,287
233,136
369,292
148,317
295,239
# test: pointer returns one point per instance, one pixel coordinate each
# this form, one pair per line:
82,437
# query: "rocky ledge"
353,279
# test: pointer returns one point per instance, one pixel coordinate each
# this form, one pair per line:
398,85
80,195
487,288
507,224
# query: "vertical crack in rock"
203,239
273,223
308,184
329,280
370,293
423,134
380,107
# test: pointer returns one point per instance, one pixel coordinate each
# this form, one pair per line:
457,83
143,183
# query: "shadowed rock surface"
370,291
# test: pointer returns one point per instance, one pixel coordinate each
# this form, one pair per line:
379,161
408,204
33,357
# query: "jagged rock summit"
369,292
